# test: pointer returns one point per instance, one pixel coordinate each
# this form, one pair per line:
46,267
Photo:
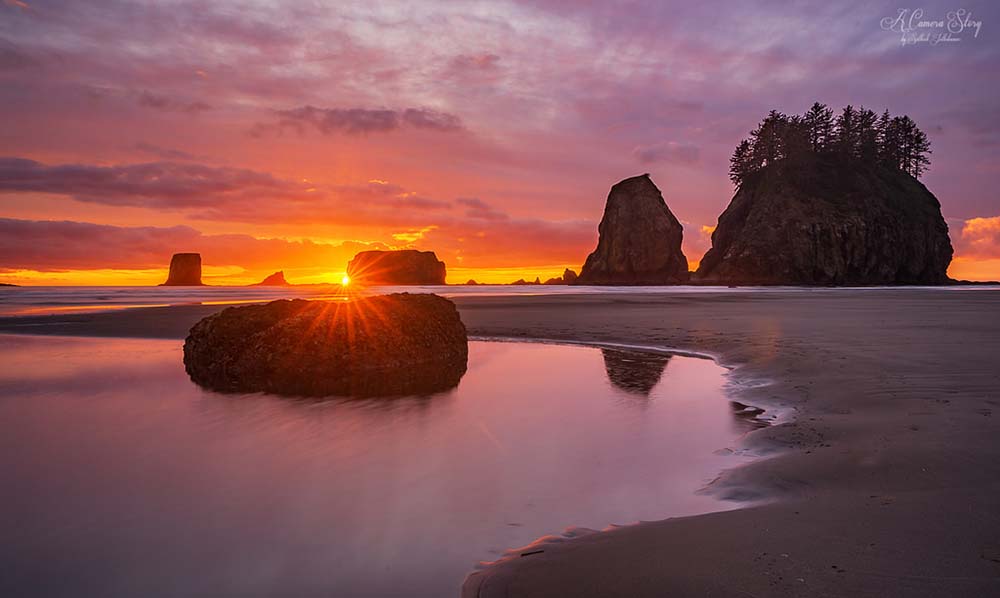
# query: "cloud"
485,61
67,245
167,153
479,209
155,184
359,121
979,238
147,99
667,152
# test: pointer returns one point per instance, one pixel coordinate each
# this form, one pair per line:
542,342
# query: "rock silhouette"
275,280
404,267
384,345
822,220
185,270
640,239
568,277
634,372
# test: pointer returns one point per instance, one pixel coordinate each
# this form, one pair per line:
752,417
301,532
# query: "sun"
346,280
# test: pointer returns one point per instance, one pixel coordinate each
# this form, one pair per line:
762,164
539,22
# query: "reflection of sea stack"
640,239
824,220
404,267
185,270
634,372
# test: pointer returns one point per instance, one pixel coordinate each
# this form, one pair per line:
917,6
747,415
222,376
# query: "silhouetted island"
397,344
830,202
185,270
522,282
7,284
640,239
275,280
568,277
403,267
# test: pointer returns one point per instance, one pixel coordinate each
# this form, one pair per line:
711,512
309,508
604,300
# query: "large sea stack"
824,220
398,344
405,267
185,270
640,239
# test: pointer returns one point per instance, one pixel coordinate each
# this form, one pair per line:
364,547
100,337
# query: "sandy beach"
882,483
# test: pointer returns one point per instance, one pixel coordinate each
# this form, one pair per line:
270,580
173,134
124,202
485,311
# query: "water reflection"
634,372
129,480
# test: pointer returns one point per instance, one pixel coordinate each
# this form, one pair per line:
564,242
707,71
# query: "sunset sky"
290,135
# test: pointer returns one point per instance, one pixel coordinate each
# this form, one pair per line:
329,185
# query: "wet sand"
885,483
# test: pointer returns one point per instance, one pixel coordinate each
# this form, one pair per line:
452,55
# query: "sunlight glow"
346,280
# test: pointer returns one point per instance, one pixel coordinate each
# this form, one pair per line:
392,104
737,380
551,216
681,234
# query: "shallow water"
123,478
39,300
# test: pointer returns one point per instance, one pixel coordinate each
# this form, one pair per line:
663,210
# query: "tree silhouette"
855,134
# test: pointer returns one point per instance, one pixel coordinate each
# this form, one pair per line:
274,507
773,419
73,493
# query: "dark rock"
185,270
471,283
821,220
404,267
521,281
568,277
275,280
640,239
384,345
7,284
633,371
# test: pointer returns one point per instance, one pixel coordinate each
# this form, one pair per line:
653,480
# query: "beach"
881,479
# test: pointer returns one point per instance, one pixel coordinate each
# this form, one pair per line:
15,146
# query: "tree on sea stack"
830,201
857,134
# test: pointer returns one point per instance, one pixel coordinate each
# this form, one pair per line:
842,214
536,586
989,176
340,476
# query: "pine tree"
846,132
740,165
818,121
867,135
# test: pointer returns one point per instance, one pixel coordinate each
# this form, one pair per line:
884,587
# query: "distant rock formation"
7,284
640,239
471,283
822,220
275,280
404,267
634,372
384,345
568,277
185,270
521,281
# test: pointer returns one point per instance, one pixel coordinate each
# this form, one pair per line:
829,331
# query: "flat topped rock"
403,267
386,345
185,270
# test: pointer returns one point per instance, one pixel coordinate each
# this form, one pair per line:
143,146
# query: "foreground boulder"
397,344
404,267
185,270
640,239
821,220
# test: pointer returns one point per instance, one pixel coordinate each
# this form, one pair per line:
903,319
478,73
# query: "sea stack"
185,270
404,267
275,280
823,220
640,239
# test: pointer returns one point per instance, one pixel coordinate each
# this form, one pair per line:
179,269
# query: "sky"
290,135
